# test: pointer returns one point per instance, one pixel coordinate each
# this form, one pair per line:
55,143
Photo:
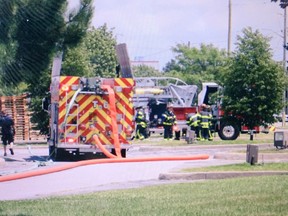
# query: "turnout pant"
168,132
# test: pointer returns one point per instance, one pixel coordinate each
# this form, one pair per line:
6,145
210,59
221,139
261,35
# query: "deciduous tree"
196,65
253,88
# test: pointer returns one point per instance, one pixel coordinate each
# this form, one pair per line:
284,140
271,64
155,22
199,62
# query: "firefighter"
194,122
211,129
169,120
205,123
141,127
8,132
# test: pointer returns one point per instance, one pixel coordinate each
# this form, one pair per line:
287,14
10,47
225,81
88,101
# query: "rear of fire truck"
90,117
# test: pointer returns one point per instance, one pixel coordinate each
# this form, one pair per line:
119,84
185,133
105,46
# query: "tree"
95,56
253,88
33,31
197,64
145,71
283,3
100,45
76,62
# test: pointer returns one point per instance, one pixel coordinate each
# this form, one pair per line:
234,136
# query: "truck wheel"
228,131
123,152
52,152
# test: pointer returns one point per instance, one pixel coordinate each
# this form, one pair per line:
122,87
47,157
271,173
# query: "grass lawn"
260,138
241,167
241,196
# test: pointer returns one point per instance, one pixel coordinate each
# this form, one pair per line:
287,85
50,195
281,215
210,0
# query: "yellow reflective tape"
120,82
125,112
148,91
272,128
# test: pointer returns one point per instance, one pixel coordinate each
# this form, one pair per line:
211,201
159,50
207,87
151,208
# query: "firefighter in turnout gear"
211,129
141,127
206,118
169,120
194,122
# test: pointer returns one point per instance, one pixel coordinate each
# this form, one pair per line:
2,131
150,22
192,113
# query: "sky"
151,28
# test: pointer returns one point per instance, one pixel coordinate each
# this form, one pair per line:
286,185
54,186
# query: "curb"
216,175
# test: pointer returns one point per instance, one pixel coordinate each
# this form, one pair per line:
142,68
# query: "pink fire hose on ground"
97,161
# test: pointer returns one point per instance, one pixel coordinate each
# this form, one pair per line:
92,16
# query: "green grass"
241,167
158,140
241,196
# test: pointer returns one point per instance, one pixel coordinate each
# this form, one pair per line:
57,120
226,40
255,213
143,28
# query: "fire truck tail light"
70,140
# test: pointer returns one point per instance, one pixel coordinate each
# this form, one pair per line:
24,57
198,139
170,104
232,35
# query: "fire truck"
154,93
90,117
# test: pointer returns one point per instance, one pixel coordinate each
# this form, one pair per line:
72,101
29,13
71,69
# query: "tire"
52,152
228,131
123,152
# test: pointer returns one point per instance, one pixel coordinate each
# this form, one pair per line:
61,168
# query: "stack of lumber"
17,108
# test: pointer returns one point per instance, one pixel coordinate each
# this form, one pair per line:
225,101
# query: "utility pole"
229,27
283,4
284,67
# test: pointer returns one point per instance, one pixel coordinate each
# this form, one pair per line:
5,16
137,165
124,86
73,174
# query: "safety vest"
169,118
140,119
194,120
205,119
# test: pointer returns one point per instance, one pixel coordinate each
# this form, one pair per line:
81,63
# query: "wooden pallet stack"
17,108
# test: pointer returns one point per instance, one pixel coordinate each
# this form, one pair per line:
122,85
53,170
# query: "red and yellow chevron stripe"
93,111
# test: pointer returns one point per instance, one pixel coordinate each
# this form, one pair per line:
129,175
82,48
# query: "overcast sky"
151,27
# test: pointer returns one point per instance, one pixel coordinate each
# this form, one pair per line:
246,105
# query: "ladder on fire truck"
164,89
71,129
